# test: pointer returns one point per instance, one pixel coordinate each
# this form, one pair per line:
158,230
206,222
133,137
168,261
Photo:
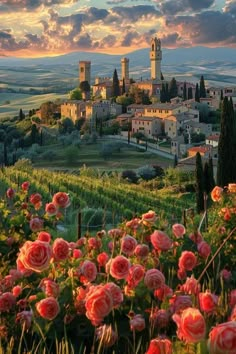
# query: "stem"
216,253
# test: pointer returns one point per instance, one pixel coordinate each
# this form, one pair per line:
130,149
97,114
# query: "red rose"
10,193
102,259
25,186
222,338
51,209
160,346
208,302
191,326
36,199
44,236
61,199
48,308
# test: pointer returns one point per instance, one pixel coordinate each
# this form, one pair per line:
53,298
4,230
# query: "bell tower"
155,58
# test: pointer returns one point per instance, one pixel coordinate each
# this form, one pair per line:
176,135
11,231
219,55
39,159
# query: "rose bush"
135,287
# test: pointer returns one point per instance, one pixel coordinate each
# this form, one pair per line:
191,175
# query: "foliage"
75,94
199,183
130,176
146,172
202,89
84,86
115,85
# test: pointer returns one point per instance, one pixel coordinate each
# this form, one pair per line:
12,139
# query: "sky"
36,28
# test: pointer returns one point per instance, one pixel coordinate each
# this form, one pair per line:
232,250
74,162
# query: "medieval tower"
155,58
125,69
85,71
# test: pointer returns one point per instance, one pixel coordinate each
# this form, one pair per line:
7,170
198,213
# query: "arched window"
152,47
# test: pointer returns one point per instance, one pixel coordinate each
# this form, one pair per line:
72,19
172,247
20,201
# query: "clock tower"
155,58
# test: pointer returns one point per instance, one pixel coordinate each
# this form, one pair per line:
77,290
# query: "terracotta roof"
213,137
200,149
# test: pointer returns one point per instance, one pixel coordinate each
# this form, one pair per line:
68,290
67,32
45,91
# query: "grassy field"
90,155
25,102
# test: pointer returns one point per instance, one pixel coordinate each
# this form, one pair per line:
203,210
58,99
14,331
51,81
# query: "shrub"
130,175
146,172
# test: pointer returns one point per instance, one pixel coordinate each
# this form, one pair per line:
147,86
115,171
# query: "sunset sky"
34,28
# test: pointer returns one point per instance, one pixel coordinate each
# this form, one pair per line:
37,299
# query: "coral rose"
49,287
36,224
119,267
17,290
137,323
216,194
191,326
154,279
178,230
35,199
116,293
163,292
61,200
160,241
98,304
35,255
232,187
44,236
187,260
160,346
48,308
7,302
128,244
191,286
136,274
51,209
222,338
149,217
88,271
60,249
208,302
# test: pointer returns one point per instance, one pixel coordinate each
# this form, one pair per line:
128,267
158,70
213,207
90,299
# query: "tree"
47,110
66,126
84,86
173,89
34,134
211,175
202,91
199,183
226,171
197,93
185,92
21,115
190,93
75,94
123,87
115,85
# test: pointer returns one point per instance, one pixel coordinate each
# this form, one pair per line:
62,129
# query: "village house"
102,109
204,151
73,109
150,127
213,140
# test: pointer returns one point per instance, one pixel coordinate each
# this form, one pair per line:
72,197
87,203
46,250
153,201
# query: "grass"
89,155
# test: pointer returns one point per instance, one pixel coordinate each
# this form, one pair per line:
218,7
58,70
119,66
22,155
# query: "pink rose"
137,323
61,200
98,304
149,217
161,318
51,209
141,251
119,267
128,244
154,279
10,193
25,186
35,255
163,292
60,249
94,243
36,224
48,308
208,302
222,338
180,303
44,236
106,336
25,318
161,241
88,271
133,224
160,346
204,249
136,274
116,293
49,287
187,260
216,194
7,302
178,230
226,274
191,326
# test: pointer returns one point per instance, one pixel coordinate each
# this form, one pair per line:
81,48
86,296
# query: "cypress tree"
226,171
190,93
115,84
167,95
197,93
162,77
163,94
123,87
211,175
206,174
202,91
185,91
173,90
199,183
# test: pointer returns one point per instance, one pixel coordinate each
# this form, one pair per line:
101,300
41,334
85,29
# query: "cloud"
18,5
134,13
174,7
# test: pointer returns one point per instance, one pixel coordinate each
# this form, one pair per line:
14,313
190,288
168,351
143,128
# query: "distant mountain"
140,57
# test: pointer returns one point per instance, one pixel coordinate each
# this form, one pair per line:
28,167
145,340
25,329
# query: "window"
82,70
